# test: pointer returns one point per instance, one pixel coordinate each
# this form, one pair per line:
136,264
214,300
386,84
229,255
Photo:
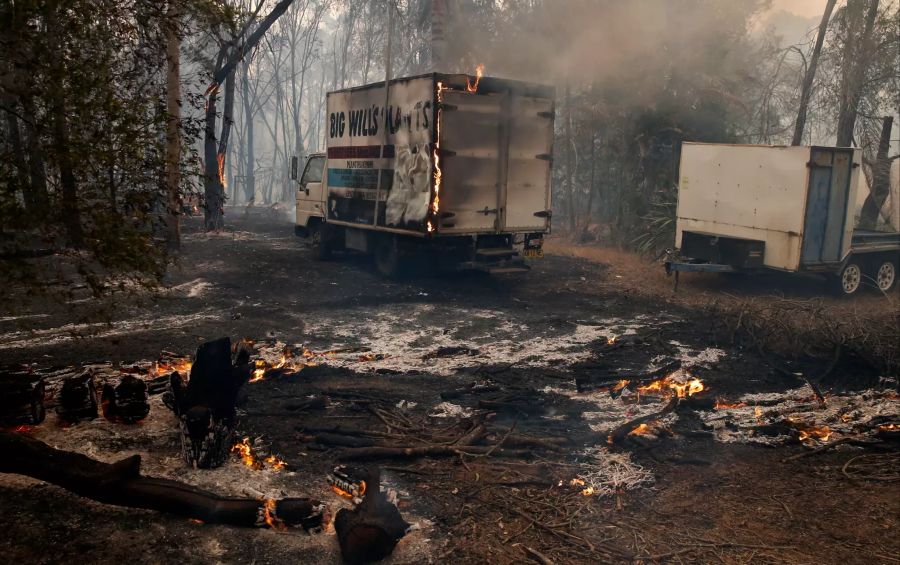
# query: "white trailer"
749,207
445,166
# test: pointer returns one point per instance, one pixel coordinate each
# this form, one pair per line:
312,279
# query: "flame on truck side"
436,201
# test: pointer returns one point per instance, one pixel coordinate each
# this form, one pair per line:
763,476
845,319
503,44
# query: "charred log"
370,531
78,398
121,484
618,435
126,402
206,404
21,399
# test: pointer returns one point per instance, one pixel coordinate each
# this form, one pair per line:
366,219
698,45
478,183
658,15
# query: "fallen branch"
121,484
618,435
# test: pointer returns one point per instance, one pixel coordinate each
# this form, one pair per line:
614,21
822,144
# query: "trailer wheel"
885,275
319,242
849,280
387,256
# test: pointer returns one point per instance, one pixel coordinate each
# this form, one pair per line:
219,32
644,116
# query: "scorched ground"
554,417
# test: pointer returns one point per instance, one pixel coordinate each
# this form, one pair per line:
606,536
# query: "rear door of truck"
496,148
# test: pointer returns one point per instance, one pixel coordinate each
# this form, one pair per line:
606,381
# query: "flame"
269,508
221,160
577,482
642,430
473,87
757,413
817,433
588,491
882,427
23,429
690,387
436,202
721,404
620,385
182,365
611,340
245,451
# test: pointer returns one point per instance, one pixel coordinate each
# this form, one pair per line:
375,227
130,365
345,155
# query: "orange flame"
681,389
221,160
245,451
436,202
642,430
269,508
882,427
473,87
182,365
620,385
816,433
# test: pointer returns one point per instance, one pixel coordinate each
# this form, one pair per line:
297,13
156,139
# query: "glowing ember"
620,385
276,463
883,427
610,340
341,492
723,405
272,520
221,160
473,87
680,382
436,201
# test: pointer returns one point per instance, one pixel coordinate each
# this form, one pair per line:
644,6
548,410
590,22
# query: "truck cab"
310,193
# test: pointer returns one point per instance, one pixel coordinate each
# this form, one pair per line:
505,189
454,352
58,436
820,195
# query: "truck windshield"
313,172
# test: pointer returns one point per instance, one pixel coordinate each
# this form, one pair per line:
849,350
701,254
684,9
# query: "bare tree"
810,75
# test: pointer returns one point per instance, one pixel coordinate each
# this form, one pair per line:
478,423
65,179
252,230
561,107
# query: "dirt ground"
418,345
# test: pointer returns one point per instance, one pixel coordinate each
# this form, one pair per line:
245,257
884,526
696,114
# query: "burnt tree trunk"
206,405
21,399
121,484
855,63
806,91
370,531
881,178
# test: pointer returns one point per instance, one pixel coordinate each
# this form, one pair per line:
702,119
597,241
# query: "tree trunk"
173,128
18,156
855,63
810,75
36,169
212,185
881,179
249,178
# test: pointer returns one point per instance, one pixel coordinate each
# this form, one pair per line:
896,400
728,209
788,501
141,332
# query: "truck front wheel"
885,275
849,279
319,241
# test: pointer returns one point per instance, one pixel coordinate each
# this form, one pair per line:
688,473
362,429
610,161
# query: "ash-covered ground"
530,344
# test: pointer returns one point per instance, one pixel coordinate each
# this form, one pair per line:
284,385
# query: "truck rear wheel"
885,275
387,256
319,241
849,280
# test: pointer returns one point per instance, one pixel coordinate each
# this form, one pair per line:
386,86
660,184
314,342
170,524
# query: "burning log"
618,435
121,484
21,399
370,531
206,405
616,380
126,402
78,398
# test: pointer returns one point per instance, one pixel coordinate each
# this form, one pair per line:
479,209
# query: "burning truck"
455,168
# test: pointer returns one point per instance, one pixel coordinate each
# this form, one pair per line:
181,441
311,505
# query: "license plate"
533,253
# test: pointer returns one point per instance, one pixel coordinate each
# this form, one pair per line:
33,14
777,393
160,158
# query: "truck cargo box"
788,208
444,156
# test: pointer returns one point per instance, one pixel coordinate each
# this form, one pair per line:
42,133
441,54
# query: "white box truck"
752,207
449,167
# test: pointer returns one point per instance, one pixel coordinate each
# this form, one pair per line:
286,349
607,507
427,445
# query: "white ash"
845,415
70,332
449,410
612,412
497,339
690,356
191,289
605,473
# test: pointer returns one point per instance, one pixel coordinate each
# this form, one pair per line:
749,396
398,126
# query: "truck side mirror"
294,163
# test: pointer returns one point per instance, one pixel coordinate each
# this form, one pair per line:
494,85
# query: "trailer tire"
319,241
849,279
387,256
884,274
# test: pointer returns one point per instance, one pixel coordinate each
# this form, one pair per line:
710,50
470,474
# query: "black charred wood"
78,399
206,403
370,531
121,484
21,399
127,401
611,377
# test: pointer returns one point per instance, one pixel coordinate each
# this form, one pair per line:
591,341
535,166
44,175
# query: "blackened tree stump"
206,404
370,531
21,399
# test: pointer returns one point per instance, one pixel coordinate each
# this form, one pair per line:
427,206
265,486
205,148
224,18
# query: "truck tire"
849,279
884,274
319,241
387,256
